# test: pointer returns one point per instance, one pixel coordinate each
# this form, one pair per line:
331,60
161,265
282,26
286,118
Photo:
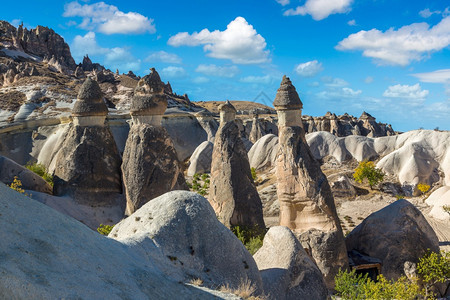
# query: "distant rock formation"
41,42
306,202
150,165
257,129
200,161
88,163
233,194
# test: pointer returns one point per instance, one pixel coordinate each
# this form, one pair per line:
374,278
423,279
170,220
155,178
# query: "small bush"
367,170
104,229
350,285
423,187
198,186
434,268
252,238
253,171
17,186
446,208
40,170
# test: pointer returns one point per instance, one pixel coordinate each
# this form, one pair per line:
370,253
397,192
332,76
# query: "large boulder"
46,255
264,152
396,234
150,166
286,269
185,228
30,181
200,161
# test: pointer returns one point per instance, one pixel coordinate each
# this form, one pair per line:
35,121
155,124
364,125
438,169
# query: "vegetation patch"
40,170
366,171
252,238
104,229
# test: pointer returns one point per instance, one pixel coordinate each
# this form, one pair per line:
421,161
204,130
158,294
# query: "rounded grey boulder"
184,227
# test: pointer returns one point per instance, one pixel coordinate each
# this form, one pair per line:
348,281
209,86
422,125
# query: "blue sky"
389,58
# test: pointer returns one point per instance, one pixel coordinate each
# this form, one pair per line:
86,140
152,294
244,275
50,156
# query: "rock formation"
286,269
46,255
396,234
306,202
208,123
263,153
184,227
257,130
88,162
232,192
150,164
30,180
200,161
41,42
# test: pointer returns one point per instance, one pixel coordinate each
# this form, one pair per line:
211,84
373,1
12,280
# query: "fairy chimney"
89,109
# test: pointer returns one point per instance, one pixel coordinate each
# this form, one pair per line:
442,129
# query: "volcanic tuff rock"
306,202
53,256
200,161
396,234
264,152
150,165
30,181
41,42
88,161
183,227
233,194
286,269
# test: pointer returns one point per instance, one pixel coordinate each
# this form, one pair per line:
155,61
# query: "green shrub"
352,286
253,170
104,229
367,170
252,238
40,170
434,268
200,183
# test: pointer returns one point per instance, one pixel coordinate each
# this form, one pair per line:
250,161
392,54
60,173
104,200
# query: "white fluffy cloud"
339,93
239,43
321,9
406,91
283,2
219,71
438,76
257,79
334,82
165,57
309,69
114,58
174,72
402,46
426,13
108,19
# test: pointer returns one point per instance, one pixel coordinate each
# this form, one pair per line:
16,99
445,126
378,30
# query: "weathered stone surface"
30,181
200,161
341,186
395,234
90,100
306,201
42,42
150,166
264,152
257,130
233,194
287,97
53,256
286,269
437,200
184,227
88,163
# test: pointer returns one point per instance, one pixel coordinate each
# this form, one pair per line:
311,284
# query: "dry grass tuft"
196,282
245,290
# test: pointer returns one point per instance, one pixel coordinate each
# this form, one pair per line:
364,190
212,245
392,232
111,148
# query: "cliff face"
42,42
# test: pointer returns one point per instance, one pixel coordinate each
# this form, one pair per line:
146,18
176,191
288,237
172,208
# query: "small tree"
367,170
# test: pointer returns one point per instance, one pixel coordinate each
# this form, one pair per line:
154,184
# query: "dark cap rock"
90,100
287,97
227,107
149,98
